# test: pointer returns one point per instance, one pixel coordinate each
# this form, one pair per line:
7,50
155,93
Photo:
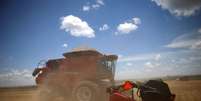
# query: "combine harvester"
84,75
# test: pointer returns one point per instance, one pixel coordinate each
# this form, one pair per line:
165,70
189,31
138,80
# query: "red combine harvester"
84,75
80,76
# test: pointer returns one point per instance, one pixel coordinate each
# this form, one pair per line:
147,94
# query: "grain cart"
81,75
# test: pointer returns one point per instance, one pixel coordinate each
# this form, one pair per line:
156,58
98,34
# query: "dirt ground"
18,94
184,90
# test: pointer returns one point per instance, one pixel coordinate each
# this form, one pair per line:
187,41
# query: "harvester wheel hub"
84,94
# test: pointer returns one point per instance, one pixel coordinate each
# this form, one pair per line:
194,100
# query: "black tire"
86,91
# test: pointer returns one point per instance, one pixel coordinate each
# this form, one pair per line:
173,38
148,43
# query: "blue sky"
152,37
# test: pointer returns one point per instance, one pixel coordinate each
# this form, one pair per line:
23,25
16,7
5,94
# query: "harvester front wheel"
85,91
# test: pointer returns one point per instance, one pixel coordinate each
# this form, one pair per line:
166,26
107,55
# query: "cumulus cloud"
180,7
65,45
127,27
77,27
86,8
104,27
136,20
187,41
16,77
96,5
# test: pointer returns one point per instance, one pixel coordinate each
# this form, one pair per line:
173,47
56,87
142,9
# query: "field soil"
19,94
185,91
189,90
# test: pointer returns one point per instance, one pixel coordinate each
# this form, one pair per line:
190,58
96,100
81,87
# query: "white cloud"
157,57
180,7
65,45
141,57
181,44
199,30
86,8
104,27
136,20
129,64
96,5
120,56
77,27
197,45
16,77
182,62
151,65
127,27
129,74
187,41
100,2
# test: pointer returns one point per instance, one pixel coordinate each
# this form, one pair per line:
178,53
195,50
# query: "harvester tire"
86,91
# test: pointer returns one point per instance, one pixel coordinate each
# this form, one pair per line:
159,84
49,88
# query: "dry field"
184,90
18,94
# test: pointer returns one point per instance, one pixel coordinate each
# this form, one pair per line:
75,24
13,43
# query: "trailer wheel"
85,91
